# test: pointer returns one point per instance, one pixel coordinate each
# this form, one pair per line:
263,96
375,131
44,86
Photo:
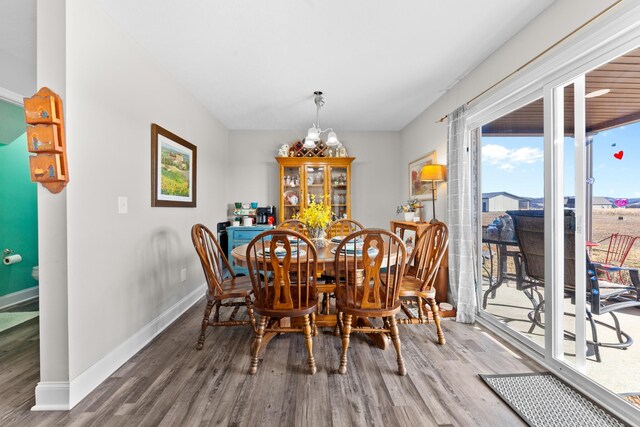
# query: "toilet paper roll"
12,259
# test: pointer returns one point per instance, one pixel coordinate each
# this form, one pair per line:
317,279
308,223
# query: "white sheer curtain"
462,150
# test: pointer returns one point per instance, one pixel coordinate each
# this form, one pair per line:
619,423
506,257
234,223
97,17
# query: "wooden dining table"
326,268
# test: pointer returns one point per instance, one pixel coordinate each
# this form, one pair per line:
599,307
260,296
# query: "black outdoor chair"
602,296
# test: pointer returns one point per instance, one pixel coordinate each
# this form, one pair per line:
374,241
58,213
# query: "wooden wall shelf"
46,138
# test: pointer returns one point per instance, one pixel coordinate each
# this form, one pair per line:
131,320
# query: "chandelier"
314,132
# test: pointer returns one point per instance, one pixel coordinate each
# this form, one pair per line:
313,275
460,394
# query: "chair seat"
345,303
233,287
611,290
410,287
287,312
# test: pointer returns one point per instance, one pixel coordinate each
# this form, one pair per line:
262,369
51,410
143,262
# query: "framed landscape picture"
419,189
173,170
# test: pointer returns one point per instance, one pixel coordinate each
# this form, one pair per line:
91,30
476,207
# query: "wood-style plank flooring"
169,383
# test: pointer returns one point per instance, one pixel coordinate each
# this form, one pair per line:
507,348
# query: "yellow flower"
316,214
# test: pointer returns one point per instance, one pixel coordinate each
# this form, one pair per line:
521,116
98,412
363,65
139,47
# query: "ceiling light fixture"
313,134
597,93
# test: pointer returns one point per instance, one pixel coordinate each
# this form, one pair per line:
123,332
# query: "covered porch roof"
620,106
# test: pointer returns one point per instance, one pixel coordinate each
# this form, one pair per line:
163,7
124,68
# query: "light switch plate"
183,275
123,205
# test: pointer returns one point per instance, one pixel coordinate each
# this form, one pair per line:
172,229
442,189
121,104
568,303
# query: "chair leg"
594,334
338,331
395,338
314,326
436,320
421,318
616,322
257,342
346,331
205,324
216,316
309,343
252,317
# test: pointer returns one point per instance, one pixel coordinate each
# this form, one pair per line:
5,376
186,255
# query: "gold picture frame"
418,189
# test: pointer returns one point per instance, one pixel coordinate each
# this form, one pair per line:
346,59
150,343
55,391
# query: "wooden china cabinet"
304,177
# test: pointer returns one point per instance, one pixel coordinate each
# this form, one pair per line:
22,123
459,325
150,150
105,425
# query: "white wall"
375,179
124,270
426,133
52,391
18,46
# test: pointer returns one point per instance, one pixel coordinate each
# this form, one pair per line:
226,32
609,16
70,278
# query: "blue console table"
239,236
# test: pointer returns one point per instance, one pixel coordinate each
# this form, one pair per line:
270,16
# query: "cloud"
508,159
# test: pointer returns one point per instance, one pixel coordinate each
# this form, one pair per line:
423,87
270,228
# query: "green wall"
18,202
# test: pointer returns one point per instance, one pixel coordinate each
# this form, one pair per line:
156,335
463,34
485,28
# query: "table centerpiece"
316,216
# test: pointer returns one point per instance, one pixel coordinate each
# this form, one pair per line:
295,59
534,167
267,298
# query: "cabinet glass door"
291,189
315,183
338,194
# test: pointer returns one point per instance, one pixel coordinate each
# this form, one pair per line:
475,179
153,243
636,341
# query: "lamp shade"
332,139
433,173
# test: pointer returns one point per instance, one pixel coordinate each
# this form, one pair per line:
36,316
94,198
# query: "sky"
516,164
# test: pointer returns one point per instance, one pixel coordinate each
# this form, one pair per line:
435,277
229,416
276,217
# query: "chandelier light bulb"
332,139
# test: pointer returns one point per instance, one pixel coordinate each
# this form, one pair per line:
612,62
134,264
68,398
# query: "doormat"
542,399
10,319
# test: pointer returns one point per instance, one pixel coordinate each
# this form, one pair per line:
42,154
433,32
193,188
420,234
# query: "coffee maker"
264,213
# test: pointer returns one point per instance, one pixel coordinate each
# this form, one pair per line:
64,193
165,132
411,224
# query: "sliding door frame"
607,38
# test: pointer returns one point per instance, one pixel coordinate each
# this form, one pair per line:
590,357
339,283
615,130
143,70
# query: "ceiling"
618,107
256,63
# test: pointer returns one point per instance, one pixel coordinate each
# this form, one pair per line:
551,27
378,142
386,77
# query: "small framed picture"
173,170
419,189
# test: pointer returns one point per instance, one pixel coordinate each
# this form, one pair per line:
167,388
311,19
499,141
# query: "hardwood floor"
169,383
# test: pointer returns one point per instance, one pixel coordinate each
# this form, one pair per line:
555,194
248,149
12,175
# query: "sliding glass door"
560,251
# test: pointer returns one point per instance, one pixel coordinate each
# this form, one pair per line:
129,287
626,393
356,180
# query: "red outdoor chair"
619,247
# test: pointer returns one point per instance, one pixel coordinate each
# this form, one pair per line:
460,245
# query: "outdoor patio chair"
619,247
602,296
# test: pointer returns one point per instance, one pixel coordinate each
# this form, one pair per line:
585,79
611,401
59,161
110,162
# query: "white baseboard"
88,380
19,297
52,396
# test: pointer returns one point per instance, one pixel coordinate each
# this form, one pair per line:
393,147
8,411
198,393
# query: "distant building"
596,203
503,201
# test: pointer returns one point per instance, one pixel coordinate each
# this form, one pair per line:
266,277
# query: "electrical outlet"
123,205
183,275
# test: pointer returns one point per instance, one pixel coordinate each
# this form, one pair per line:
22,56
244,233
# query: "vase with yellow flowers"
316,216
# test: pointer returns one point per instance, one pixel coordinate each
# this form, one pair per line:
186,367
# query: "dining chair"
339,227
420,275
282,266
343,227
295,225
369,266
220,288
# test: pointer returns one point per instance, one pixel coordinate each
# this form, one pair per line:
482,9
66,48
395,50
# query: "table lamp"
433,173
